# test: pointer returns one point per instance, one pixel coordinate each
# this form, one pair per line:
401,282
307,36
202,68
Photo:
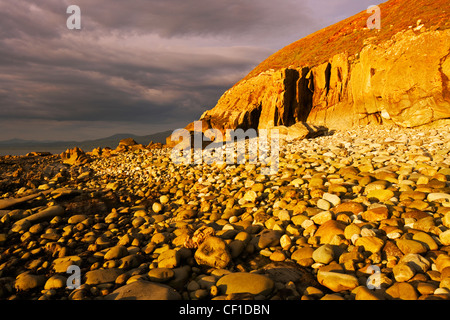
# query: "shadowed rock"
6,203
144,290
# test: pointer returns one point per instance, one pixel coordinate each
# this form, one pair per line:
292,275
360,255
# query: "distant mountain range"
20,146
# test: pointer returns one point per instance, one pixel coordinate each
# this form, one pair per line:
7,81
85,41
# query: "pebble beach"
359,214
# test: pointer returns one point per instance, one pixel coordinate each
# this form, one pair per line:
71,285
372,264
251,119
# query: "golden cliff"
404,81
347,75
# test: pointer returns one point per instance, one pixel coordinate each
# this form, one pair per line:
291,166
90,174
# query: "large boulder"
244,282
337,281
328,230
45,214
213,252
74,156
100,276
144,290
300,130
128,144
27,281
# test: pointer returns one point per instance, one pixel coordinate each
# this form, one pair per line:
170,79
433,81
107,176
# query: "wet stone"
144,290
161,274
169,259
269,238
213,252
27,281
328,230
116,252
56,282
336,281
324,254
100,276
376,214
403,272
245,282
410,246
370,243
401,291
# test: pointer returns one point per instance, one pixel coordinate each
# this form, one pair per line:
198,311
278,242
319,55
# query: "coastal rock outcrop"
74,156
380,84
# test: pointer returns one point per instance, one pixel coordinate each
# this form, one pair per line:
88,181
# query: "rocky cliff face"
404,81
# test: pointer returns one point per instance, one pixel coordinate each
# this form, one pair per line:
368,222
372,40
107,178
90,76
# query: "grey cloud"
76,70
196,17
141,64
53,83
169,18
40,19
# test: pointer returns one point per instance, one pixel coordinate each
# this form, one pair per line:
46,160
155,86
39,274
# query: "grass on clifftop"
349,35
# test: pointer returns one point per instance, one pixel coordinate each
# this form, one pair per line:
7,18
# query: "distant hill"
21,147
113,141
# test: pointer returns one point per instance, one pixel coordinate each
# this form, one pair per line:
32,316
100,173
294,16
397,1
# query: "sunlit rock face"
402,81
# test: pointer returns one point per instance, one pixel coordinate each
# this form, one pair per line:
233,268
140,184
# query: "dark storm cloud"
40,19
135,66
173,18
77,82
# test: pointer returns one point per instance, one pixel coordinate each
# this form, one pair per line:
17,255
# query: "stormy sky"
138,66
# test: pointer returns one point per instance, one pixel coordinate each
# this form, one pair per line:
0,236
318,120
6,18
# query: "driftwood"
6,203
45,214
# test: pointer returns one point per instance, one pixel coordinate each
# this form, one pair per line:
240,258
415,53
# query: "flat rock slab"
241,282
285,272
6,203
27,281
61,265
99,276
329,229
212,252
144,290
45,214
337,281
